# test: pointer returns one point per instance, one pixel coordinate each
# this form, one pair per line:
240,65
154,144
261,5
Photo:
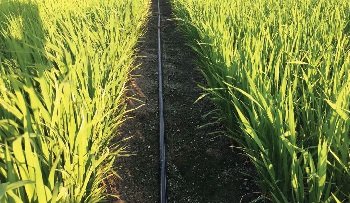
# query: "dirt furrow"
202,167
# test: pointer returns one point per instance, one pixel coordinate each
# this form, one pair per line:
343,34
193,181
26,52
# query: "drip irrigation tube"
163,181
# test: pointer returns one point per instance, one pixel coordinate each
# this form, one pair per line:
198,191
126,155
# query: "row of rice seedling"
63,69
279,71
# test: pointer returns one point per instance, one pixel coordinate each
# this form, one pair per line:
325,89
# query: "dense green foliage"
279,70
63,69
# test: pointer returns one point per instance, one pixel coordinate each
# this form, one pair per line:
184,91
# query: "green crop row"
279,71
63,70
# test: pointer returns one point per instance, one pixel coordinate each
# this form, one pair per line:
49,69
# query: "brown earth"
202,166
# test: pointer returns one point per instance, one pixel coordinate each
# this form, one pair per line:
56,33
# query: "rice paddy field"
279,71
63,73
256,100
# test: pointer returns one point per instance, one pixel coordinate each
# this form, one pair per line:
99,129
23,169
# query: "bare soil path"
202,167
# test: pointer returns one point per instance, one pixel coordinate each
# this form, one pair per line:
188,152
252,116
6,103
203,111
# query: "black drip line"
163,179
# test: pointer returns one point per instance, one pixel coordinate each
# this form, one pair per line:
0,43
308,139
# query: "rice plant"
63,69
279,71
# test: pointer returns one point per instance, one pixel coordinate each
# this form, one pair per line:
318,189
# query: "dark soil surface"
202,166
139,173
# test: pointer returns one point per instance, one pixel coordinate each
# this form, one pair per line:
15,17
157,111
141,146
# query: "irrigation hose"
163,180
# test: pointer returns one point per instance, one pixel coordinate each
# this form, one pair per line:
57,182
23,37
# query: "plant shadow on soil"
202,167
